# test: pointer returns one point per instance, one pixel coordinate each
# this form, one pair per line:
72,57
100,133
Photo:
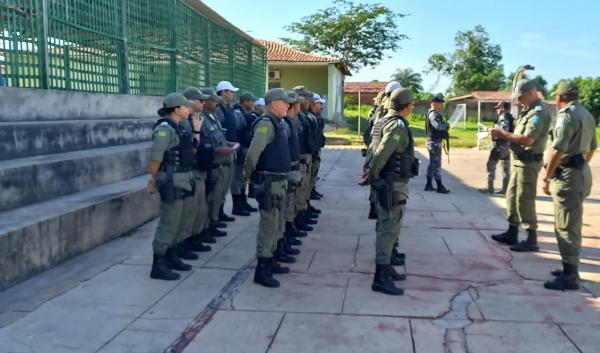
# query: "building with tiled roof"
366,90
322,74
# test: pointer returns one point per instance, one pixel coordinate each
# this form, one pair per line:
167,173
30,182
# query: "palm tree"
408,78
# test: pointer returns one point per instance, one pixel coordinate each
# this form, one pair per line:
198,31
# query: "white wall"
335,94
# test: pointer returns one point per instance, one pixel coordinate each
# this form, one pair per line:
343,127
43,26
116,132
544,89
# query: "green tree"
589,94
360,34
474,65
409,79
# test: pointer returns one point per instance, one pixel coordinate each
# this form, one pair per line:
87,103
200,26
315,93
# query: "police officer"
217,180
527,145
226,116
317,110
268,164
243,112
568,179
172,159
436,129
392,164
377,105
196,211
501,150
259,106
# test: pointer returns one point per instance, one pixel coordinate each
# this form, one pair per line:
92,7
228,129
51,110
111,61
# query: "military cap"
303,92
295,97
260,101
277,94
393,85
439,98
247,96
175,100
566,87
211,94
399,97
192,93
524,86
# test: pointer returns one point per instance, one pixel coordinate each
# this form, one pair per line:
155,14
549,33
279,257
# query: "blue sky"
561,39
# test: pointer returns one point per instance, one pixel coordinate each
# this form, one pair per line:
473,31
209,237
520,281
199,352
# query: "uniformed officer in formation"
315,108
172,160
568,179
501,150
267,165
436,129
390,167
527,145
245,117
219,176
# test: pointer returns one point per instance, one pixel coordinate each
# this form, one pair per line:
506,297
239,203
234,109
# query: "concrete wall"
312,77
25,104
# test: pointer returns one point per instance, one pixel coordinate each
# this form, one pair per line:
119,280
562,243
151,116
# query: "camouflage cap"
303,92
194,93
566,87
439,98
295,97
211,94
399,97
176,100
524,86
277,94
247,96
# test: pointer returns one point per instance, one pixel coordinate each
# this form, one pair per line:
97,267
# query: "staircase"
73,171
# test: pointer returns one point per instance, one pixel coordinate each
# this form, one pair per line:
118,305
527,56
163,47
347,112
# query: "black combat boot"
205,237
292,231
314,195
441,189
308,219
314,190
262,273
301,225
313,209
490,188
161,270
510,237
195,243
287,247
175,262
218,224
429,185
245,203
383,283
559,272
397,261
504,186
238,207
223,217
394,275
185,252
399,255
568,280
276,268
372,211
529,245
280,254
215,232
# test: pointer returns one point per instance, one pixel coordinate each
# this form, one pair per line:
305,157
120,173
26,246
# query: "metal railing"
141,47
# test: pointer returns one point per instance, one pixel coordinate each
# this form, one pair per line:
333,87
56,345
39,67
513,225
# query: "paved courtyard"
463,293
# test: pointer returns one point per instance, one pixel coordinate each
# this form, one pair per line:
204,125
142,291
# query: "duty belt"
274,177
528,156
577,161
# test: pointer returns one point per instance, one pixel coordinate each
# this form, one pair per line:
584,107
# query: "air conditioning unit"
274,74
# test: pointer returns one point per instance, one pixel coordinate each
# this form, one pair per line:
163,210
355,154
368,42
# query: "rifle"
446,146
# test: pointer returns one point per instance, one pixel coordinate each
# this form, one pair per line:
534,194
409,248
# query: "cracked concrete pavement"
463,293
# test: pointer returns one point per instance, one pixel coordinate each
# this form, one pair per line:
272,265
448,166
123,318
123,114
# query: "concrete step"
26,181
34,138
37,237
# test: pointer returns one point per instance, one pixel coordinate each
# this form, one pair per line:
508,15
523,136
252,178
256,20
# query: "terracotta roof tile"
489,95
277,51
365,87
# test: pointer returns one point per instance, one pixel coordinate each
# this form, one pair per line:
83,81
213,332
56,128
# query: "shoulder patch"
401,123
396,137
262,129
560,122
162,133
536,119
538,108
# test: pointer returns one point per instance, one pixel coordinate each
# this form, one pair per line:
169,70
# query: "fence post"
122,55
43,49
207,52
173,47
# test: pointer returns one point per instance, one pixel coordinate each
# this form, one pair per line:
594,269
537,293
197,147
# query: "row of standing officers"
204,147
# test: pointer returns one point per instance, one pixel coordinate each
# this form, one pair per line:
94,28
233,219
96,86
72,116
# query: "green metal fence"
142,47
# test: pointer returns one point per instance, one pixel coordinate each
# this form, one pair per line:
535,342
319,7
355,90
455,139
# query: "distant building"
288,67
368,91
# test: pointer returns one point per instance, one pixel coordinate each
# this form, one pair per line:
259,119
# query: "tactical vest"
180,157
293,141
205,151
215,135
307,143
276,157
400,163
245,134
431,131
229,123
